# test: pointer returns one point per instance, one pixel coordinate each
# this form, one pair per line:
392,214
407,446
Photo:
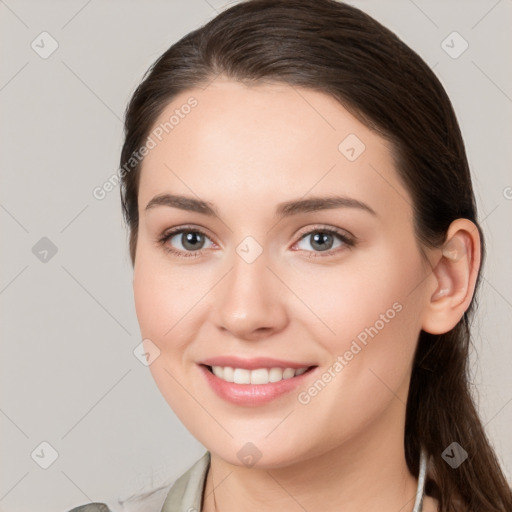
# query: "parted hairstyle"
337,49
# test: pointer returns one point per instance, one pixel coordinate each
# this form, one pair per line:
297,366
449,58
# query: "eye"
325,240
185,242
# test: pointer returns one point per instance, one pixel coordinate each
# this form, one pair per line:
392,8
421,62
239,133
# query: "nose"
250,302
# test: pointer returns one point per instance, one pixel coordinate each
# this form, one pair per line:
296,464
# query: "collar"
187,491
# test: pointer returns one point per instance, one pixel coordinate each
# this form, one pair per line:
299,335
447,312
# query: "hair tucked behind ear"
339,50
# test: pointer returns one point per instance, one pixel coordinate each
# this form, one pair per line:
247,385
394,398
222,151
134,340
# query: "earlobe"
455,274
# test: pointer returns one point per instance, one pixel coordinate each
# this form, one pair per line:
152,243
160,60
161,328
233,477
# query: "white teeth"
288,373
275,374
228,374
218,371
242,376
258,376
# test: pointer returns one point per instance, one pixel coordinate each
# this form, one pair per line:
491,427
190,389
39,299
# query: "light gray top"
185,494
182,495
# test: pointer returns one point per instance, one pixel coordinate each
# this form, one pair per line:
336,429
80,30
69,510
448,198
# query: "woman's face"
277,277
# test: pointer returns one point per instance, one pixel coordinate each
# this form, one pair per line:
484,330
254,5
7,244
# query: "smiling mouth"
256,376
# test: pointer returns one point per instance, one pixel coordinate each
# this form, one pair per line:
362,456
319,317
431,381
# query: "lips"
252,382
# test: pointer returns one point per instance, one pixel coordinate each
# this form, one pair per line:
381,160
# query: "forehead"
267,143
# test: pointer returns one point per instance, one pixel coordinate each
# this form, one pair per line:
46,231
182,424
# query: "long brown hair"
337,49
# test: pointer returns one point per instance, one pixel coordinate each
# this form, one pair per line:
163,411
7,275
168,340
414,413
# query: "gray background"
68,373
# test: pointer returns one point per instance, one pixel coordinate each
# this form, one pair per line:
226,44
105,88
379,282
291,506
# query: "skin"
247,149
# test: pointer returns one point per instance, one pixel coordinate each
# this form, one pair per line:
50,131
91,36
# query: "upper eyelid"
169,233
337,231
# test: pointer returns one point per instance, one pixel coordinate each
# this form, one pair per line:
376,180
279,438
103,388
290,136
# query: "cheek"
161,304
152,314
158,315
163,296
373,316
365,296
367,372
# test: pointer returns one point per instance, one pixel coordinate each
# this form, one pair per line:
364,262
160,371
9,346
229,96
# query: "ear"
454,276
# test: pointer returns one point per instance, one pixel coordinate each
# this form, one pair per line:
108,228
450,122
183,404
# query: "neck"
368,472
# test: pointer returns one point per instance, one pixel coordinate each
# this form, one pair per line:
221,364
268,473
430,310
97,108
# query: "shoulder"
150,501
188,488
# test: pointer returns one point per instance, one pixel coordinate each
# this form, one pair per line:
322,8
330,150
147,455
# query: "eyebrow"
286,209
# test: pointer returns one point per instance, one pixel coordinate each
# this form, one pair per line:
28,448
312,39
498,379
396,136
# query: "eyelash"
348,241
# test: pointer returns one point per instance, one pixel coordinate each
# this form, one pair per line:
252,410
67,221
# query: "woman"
306,252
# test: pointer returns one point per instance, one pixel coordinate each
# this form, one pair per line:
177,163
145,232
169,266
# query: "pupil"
322,241
192,240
